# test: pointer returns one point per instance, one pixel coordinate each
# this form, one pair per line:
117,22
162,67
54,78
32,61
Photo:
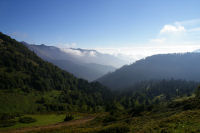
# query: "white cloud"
178,37
135,53
92,53
72,51
179,33
158,40
77,52
172,29
194,29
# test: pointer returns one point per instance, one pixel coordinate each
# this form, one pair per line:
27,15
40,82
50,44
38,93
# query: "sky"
134,28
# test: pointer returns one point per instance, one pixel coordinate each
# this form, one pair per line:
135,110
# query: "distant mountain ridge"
76,61
157,67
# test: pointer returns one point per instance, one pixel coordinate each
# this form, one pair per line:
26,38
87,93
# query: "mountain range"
157,67
83,63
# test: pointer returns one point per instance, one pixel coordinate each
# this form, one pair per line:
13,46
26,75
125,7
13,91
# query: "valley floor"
148,122
51,126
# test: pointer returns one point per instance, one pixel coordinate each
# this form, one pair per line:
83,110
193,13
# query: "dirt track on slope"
53,126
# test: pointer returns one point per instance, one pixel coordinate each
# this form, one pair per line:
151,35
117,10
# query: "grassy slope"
42,119
170,122
162,119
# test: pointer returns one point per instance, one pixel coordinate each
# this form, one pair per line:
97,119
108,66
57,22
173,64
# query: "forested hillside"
30,84
153,92
157,67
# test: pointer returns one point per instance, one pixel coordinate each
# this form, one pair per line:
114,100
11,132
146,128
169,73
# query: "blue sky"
102,23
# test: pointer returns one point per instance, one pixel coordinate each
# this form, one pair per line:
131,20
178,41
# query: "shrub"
109,119
137,110
7,123
116,129
188,106
6,116
68,117
27,120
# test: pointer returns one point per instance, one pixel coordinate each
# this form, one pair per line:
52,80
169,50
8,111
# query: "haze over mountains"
92,65
86,64
157,67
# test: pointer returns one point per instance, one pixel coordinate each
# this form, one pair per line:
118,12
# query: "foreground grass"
41,120
178,117
149,122
167,122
